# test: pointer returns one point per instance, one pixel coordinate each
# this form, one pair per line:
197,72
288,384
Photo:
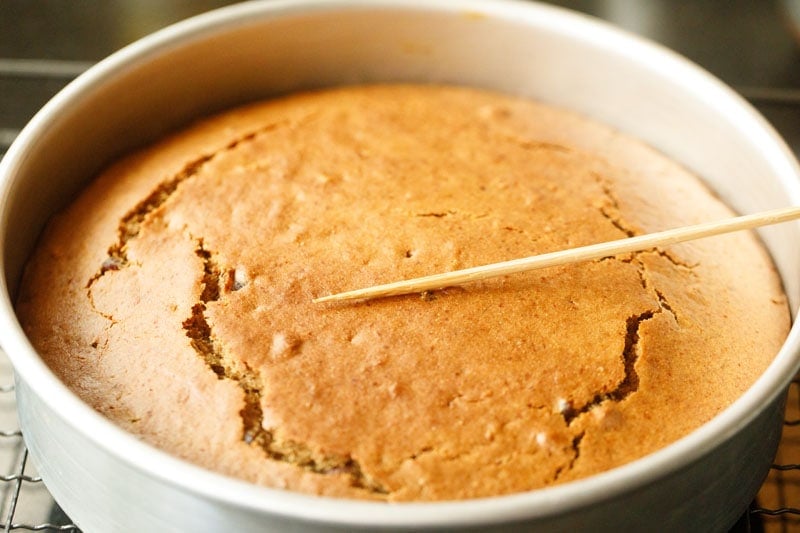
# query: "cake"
174,296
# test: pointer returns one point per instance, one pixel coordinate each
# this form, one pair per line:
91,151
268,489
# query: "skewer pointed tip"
573,255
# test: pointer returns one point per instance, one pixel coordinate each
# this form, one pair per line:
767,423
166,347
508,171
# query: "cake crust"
174,296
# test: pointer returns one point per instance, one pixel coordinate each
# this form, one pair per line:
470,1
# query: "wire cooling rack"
25,503
777,506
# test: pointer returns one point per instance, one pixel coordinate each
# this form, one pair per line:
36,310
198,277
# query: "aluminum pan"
257,49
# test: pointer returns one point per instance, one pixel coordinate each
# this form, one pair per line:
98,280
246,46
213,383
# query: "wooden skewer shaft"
573,255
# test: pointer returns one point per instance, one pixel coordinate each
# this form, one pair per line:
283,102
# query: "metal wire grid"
26,505
777,507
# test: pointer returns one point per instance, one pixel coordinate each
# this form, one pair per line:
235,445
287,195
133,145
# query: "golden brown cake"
175,296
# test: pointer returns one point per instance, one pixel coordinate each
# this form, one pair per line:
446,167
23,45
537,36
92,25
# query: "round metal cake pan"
107,480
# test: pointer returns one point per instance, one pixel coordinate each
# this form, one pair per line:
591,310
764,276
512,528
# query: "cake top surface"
174,296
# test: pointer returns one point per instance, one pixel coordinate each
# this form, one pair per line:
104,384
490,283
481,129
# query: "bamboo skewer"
572,255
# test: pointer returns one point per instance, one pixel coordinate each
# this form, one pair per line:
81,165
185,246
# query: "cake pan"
107,480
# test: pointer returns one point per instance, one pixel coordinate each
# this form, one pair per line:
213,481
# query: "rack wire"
777,507
25,503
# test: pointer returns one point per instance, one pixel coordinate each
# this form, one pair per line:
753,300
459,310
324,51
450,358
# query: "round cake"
174,295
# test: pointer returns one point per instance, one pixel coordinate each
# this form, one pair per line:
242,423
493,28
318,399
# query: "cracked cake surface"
174,296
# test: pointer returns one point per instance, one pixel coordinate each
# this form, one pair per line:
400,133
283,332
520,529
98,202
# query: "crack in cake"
174,296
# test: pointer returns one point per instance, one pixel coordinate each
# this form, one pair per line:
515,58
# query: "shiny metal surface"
748,44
